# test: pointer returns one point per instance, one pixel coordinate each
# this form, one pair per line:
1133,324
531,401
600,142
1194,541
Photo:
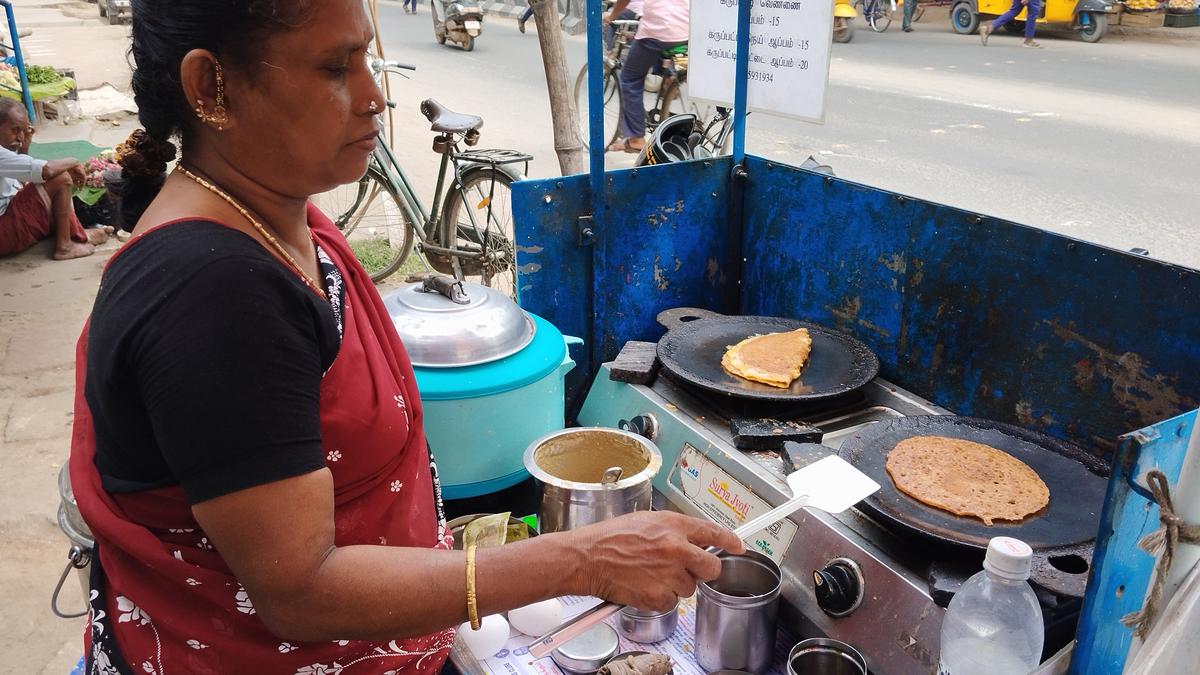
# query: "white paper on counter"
514,659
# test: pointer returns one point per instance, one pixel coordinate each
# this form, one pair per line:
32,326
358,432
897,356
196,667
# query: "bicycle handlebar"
380,66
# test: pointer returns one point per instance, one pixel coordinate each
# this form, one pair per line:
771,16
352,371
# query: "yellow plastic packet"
487,531
517,531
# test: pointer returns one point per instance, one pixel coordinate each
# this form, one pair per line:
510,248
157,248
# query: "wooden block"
636,364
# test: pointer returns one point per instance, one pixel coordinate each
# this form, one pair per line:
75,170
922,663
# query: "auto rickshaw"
1089,17
843,20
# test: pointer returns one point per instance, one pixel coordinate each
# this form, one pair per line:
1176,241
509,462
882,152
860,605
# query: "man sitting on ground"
35,195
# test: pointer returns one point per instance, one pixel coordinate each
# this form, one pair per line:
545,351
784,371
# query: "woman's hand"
651,559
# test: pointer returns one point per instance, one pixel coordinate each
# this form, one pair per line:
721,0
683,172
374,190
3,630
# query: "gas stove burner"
708,471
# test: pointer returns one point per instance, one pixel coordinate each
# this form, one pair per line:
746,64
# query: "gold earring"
220,116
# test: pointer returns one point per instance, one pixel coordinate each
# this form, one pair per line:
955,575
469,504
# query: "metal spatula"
830,484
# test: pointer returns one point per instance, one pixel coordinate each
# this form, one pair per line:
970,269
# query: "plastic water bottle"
993,625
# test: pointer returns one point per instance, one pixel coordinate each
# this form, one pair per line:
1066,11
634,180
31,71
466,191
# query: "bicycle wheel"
881,18
612,105
484,223
672,102
374,222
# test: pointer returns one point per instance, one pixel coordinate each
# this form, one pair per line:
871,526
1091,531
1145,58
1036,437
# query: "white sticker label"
730,503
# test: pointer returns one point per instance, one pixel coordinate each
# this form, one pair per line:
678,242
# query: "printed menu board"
788,70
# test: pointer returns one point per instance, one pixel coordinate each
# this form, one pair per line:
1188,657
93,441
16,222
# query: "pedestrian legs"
641,57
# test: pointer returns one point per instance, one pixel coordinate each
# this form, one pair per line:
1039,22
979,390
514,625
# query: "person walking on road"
910,6
664,25
407,4
524,17
1035,9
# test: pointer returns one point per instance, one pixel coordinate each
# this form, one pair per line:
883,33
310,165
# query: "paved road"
1096,141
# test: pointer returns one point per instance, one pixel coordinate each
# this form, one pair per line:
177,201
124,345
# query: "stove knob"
643,425
838,587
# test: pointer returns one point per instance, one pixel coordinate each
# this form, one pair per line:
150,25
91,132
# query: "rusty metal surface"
665,243
986,317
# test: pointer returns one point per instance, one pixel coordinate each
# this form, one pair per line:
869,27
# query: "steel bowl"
588,652
825,656
647,627
480,325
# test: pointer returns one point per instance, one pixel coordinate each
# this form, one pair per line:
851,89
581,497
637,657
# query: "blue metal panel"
554,272
667,246
983,316
665,243
1121,571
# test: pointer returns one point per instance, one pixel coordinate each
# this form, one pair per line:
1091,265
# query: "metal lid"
444,323
588,652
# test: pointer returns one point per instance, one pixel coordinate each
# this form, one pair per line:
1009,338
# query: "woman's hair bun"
143,155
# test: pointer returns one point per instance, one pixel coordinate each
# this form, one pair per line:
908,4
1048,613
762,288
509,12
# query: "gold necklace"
258,226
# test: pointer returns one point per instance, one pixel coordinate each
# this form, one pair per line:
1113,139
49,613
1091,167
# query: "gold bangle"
472,608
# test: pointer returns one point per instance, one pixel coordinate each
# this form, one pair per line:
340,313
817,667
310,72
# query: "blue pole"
595,59
16,46
740,77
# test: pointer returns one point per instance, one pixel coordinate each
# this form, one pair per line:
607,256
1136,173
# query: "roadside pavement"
43,305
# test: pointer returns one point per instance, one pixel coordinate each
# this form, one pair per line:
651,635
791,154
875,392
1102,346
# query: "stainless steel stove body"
882,604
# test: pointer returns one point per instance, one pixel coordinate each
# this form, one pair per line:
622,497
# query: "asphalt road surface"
1097,141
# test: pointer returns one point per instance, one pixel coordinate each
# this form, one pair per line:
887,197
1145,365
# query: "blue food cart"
1096,348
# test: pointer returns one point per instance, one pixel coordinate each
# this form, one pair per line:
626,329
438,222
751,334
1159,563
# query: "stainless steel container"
588,652
79,557
647,627
824,656
568,465
736,614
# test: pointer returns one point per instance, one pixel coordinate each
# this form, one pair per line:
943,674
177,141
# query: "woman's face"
301,119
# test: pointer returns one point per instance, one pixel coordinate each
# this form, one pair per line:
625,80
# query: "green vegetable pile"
42,75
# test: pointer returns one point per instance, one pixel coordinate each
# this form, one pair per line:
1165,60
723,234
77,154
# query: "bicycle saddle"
446,120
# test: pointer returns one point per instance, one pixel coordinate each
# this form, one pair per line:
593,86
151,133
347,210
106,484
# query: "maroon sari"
163,600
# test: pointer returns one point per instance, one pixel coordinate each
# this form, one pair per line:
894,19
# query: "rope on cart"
1165,539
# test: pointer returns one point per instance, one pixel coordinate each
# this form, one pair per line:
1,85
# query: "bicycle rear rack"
495,157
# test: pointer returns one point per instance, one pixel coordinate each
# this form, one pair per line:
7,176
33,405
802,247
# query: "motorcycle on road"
459,21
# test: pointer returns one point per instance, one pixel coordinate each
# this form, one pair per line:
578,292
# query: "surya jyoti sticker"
730,503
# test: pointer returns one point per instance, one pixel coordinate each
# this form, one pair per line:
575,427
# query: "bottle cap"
1008,558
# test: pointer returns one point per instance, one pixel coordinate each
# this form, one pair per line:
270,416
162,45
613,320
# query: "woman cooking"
248,448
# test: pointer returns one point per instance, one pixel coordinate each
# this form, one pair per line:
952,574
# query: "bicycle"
877,13
380,215
669,99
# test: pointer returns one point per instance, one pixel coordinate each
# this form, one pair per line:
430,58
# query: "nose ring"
374,107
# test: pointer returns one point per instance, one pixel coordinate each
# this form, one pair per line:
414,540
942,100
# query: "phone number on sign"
760,75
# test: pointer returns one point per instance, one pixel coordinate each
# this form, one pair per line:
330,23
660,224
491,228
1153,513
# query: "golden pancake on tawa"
966,478
775,358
